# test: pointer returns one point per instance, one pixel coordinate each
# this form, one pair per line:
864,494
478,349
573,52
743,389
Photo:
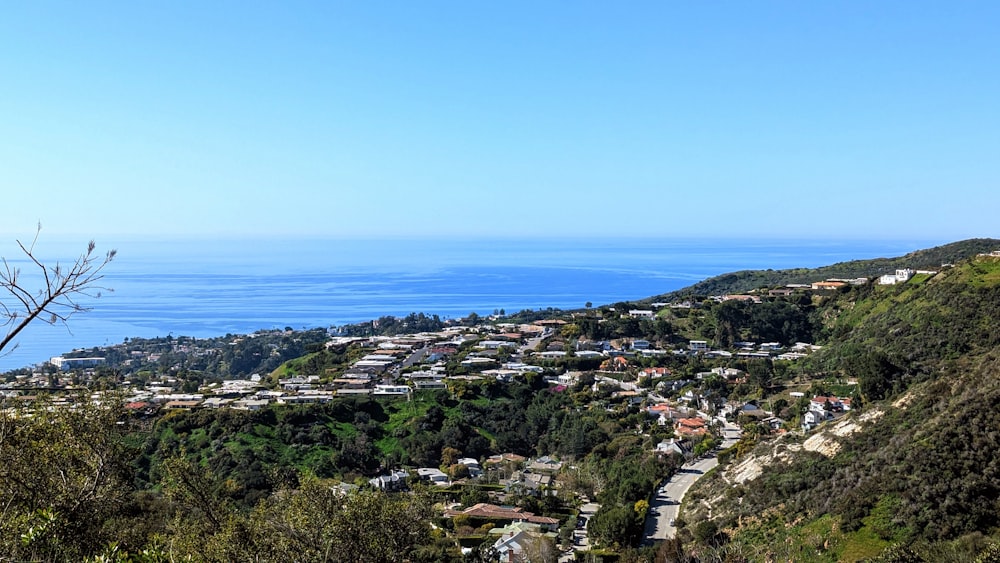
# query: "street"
665,506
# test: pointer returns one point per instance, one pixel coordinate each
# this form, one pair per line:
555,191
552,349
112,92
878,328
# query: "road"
415,357
580,540
665,506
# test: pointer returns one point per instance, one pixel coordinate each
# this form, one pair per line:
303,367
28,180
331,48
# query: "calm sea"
209,288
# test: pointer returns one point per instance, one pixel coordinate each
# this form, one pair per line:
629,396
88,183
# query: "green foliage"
747,280
64,474
316,522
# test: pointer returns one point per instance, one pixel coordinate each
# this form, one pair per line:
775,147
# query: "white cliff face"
753,465
825,441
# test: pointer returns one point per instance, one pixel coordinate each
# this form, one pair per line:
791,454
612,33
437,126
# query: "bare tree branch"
56,298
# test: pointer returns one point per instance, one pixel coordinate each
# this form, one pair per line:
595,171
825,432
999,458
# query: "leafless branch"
56,298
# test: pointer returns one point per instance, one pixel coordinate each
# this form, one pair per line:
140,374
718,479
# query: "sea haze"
206,288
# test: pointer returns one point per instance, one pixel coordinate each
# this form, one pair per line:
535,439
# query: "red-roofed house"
821,403
655,372
514,514
690,427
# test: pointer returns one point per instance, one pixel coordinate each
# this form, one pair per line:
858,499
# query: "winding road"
664,507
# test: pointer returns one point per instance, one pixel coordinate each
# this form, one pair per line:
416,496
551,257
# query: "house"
641,314
65,364
698,345
672,446
690,427
718,354
820,403
617,363
728,373
791,356
545,464
655,372
523,541
508,457
485,511
901,276
773,422
250,404
473,464
392,390
496,344
182,405
639,344
828,285
472,361
434,475
394,481
552,354
658,409
813,418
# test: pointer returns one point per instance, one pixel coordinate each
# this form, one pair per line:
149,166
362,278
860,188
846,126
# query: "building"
901,276
75,363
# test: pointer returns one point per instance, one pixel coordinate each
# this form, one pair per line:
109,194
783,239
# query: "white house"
391,389
813,418
434,475
901,276
641,314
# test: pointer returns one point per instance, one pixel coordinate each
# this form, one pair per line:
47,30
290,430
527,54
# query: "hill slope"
919,468
745,280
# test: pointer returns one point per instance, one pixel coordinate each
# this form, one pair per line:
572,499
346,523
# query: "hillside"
916,466
911,472
746,280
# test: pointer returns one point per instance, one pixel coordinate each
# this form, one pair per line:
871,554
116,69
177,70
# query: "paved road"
415,357
530,345
580,540
664,507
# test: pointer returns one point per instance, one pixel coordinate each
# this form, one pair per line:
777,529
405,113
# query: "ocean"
203,288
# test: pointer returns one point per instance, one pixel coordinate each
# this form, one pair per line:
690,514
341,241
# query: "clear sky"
799,119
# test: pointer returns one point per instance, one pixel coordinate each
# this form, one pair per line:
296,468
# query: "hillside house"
690,427
901,276
820,403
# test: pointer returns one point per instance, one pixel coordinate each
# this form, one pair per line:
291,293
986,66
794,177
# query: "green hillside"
916,466
746,280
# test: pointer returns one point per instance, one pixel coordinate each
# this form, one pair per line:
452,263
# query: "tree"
55,301
63,477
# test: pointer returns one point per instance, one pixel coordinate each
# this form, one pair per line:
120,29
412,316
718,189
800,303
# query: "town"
697,397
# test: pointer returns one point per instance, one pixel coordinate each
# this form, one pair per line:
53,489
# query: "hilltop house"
901,276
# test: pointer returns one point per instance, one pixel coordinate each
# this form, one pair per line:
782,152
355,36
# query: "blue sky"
758,119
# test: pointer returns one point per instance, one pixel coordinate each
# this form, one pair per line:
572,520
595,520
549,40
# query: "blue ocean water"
203,288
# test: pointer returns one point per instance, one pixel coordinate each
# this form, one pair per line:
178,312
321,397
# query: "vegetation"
915,478
747,280
924,473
